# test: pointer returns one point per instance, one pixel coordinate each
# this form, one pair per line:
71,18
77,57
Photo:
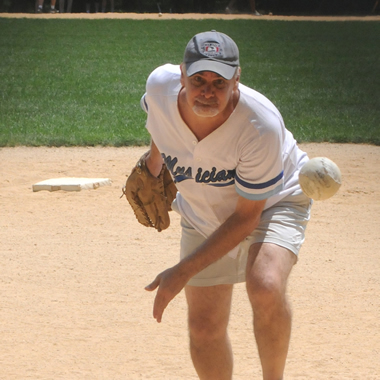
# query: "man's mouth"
208,103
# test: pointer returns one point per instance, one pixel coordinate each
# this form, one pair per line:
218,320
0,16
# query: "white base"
71,184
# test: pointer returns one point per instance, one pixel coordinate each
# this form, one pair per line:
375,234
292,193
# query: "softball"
320,178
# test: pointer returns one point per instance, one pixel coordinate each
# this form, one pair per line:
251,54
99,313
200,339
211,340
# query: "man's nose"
207,91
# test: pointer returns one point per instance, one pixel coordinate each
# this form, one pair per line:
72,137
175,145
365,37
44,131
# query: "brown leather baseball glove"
150,197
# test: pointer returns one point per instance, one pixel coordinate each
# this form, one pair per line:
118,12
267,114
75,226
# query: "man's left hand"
169,283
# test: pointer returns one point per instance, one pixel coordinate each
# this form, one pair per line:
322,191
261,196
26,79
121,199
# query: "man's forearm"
154,160
237,227
231,233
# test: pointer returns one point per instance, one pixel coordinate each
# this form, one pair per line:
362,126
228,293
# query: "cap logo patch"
211,49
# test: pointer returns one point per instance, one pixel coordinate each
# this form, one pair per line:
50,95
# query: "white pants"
283,224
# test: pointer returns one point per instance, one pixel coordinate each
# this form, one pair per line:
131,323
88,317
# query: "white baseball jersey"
251,155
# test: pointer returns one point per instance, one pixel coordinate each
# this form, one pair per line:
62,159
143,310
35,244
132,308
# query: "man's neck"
203,126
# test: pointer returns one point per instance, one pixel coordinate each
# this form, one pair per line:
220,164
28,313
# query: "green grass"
79,82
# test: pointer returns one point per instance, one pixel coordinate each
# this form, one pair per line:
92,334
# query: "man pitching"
243,214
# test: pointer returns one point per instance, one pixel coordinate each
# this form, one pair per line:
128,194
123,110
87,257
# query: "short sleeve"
260,171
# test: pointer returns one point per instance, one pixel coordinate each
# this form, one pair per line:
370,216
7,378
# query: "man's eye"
197,81
219,83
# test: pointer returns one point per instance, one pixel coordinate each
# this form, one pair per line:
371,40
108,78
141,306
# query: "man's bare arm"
154,160
234,230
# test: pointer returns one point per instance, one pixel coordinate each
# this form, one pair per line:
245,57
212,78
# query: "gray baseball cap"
211,51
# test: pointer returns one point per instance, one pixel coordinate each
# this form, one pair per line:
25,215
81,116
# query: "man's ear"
237,77
182,74
238,73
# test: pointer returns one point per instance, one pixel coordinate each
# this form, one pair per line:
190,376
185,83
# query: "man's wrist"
154,166
184,270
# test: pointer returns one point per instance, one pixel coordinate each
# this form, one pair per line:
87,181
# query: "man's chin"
205,111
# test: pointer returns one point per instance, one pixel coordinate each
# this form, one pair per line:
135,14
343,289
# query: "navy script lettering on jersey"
211,177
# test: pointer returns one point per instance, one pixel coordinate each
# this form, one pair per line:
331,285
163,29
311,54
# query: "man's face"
207,93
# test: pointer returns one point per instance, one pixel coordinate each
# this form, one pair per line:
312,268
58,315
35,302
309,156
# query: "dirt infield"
187,16
74,266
